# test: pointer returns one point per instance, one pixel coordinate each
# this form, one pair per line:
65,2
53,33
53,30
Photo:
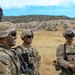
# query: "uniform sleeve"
37,63
37,58
2,67
19,49
4,61
60,57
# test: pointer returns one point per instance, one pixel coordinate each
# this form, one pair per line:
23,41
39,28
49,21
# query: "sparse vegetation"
29,18
51,25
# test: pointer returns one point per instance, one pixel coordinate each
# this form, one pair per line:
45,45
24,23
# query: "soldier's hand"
70,65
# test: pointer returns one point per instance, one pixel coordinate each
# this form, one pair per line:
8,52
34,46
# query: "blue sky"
38,7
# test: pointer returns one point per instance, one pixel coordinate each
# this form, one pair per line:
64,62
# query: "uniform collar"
26,47
70,44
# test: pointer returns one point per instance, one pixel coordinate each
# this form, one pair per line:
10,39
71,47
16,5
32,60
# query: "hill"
29,18
44,22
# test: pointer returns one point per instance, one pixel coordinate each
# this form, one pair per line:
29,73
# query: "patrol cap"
69,31
6,28
27,32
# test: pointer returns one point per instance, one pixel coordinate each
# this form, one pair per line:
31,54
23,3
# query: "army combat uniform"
70,54
9,61
34,57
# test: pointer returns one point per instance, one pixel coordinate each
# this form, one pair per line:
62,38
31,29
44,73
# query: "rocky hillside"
29,18
51,25
45,22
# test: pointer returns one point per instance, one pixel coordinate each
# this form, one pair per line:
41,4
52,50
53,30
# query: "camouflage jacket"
34,57
70,54
9,62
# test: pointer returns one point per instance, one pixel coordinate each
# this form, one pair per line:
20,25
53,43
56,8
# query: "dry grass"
46,42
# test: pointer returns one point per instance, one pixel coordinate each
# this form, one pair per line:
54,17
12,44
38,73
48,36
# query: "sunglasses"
13,33
29,36
70,35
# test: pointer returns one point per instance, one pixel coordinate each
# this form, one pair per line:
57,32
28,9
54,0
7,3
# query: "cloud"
64,10
7,4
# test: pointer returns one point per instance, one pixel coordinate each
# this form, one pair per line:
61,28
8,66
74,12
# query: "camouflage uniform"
34,57
9,62
60,55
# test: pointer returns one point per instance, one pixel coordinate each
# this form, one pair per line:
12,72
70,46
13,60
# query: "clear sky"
38,7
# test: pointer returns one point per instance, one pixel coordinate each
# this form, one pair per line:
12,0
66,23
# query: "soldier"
29,54
9,62
66,54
